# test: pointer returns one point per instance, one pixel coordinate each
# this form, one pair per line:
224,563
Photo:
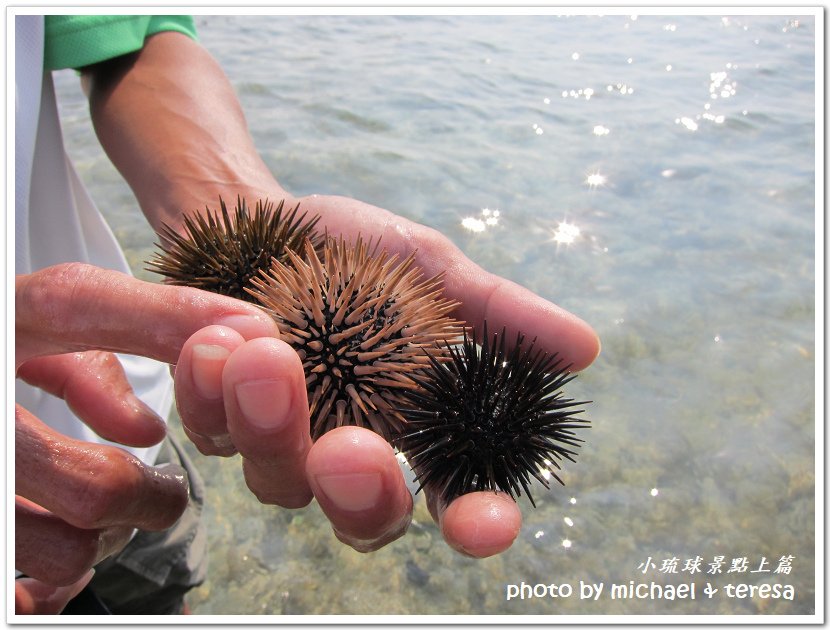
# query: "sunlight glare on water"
595,180
566,233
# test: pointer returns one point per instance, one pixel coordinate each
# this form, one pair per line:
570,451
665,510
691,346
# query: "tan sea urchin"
221,253
361,322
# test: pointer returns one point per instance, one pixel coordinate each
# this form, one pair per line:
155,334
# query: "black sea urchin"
361,322
489,420
220,253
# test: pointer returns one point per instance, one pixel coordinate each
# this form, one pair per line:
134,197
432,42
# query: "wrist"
186,198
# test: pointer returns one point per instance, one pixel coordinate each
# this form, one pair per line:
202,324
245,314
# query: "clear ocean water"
654,175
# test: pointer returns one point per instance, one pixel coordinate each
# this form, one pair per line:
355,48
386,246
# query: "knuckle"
70,273
430,238
43,291
437,251
437,245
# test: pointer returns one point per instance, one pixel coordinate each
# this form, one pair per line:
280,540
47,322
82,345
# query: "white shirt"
56,221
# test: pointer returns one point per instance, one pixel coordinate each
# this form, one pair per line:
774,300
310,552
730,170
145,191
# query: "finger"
267,410
198,385
33,597
93,485
478,524
483,296
359,485
53,551
74,307
95,388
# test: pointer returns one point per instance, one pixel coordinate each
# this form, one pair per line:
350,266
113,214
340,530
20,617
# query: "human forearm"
171,123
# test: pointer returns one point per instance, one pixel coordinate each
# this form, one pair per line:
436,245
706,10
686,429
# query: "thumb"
73,307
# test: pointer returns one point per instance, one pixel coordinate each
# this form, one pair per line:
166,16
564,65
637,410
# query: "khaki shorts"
153,572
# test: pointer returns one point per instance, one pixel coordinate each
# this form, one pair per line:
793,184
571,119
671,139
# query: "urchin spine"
361,322
222,251
490,419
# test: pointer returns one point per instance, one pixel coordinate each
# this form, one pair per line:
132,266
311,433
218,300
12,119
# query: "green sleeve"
74,41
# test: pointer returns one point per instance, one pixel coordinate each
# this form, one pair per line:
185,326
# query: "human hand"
77,502
351,469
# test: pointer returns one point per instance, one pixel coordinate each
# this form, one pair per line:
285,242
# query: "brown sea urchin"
490,419
361,322
221,253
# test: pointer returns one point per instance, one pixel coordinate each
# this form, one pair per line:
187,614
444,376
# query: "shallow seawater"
652,174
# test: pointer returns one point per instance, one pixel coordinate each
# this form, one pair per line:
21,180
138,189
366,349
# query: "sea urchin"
361,321
489,420
220,253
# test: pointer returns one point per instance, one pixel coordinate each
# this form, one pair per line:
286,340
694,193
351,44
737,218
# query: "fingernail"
265,403
169,470
171,473
352,493
208,360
